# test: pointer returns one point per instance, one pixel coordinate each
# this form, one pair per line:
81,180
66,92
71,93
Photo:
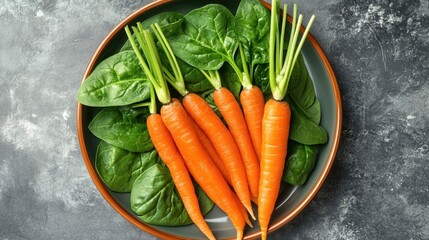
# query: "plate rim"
148,228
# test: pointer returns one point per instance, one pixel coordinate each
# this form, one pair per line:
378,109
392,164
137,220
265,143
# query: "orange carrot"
252,101
199,163
231,112
212,152
167,150
221,166
275,133
224,143
277,115
180,126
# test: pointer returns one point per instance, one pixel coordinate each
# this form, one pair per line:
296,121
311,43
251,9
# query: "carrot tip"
250,210
263,234
239,235
249,222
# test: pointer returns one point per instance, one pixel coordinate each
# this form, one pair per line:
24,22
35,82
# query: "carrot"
275,133
180,126
212,152
252,101
224,143
167,150
219,163
276,120
199,163
231,112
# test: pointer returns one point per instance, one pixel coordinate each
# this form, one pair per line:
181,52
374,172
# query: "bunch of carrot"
248,156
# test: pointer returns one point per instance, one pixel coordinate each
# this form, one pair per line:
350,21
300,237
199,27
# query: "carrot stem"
246,81
154,72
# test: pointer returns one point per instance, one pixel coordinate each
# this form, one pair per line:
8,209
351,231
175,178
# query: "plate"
291,200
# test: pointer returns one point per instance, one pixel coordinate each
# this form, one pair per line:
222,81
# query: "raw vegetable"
300,163
162,139
261,78
231,157
123,127
211,150
170,155
119,168
155,199
207,41
231,112
224,143
116,81
170,23
306,112
277,112
305,130
178,123
252,24
252,27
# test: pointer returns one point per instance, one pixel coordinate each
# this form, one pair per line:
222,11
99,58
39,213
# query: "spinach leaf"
304,130
156,200
301,91
313,112
207,38
119,168
116,81
195,81
123,127
230,80
300,162
261,78
170,23
252,26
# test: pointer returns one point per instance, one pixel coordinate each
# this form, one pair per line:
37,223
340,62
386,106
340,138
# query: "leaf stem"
246,80
280,76
143,104
213,77
153,71
282,36
152,106
177,81
272,50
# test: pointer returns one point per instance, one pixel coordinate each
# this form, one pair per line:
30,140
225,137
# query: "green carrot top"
281,67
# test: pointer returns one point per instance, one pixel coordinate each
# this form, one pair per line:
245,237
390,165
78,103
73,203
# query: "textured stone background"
379,184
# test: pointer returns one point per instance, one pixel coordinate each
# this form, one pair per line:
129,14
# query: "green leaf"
123,127
119,168
230,80
170,23
301,91
300,162
195,81
304,130
261,78
156,200
207,38
252,26
116,81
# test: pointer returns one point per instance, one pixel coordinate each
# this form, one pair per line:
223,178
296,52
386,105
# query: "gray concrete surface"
378,187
